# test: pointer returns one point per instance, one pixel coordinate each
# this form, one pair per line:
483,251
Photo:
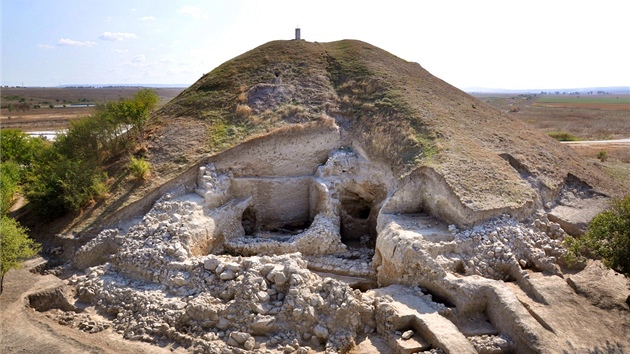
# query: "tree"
9,184
15,246
59,183
18,152
607,237
135,110
20,147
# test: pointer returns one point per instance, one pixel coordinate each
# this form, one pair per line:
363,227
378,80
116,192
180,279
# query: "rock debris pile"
503,248
154,290
82,322
488,344
168,278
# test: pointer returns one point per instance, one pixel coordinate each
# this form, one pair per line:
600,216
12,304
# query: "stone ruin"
296,244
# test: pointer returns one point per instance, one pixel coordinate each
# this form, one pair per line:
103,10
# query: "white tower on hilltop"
297,33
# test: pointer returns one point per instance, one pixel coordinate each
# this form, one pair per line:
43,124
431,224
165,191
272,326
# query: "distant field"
588,117
83,95
619,102
608,99
41,116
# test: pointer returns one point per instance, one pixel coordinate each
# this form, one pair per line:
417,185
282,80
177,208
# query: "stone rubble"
491,344
357,262
81,322
229,299
502,248
155,290
168,278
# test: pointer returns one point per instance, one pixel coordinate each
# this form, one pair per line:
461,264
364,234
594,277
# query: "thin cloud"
116,36
46,46
194,12
167,61
138,59
121,51
147,18
73,43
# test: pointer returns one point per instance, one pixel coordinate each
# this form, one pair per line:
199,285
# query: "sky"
494,44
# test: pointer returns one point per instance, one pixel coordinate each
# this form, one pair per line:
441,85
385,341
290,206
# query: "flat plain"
52,108
588,117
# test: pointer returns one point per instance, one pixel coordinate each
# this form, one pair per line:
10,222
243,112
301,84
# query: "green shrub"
134,111
602,156
15,245
9,185
563,136
608,238
59,184
140,168
68,174
20,147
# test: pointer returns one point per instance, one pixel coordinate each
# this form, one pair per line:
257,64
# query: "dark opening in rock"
364,286
356,225
249,221
294,228
359,210
438,298
253,226
460,268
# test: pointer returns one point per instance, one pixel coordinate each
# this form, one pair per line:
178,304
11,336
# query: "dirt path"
603,143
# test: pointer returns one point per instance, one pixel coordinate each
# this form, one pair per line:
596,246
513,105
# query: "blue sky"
498,44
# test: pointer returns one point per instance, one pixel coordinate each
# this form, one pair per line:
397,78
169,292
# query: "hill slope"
394,110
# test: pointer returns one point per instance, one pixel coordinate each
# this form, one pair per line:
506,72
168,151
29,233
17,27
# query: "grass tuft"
242,111
140,168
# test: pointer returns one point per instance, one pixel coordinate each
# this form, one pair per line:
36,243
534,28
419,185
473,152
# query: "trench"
276,229
53,298
280,208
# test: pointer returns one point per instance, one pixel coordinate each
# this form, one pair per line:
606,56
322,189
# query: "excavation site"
337,199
